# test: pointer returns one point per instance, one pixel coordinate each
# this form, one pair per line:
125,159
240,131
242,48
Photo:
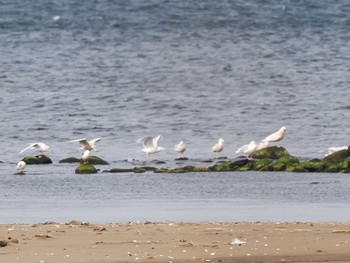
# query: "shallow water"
196,71
235,196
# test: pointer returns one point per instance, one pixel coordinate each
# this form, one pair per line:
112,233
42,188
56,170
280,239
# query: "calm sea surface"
191,70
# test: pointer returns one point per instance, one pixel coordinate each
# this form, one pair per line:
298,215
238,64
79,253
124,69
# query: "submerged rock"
274,152
38,159
91,160
120,170
70,160
85,168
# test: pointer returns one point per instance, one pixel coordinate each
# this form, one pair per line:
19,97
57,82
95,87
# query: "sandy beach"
175,242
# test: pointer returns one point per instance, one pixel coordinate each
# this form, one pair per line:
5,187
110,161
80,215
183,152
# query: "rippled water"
192,70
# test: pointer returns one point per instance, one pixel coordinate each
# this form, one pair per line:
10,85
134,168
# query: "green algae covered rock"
85,168
287,160
96,160
38,159
161,170
120,170
91,160
259,164
201,169
228,165
70,160
273,152
337,157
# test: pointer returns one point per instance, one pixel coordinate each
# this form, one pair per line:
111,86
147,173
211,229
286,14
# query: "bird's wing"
155,140
33,145
243,149
84,142
95,140
146,141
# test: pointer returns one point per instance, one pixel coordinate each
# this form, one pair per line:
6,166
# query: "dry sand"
176,242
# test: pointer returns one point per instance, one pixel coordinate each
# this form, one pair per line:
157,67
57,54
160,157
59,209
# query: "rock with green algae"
85,168
228,166
38,159
91,160
120,170
70,160
161,170
273,152
337,157
259,164
336,162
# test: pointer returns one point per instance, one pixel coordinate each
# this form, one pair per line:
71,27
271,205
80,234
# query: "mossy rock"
96,160
247,167
91,160
161,170
288,160
279,167
258,165
336,157
139,170
38,159
313,166
223,167
228,165
296,167
201,169
85,168
70,160
274,152
120,170
146,168
178,170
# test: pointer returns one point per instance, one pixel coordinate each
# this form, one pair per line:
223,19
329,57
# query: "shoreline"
176,242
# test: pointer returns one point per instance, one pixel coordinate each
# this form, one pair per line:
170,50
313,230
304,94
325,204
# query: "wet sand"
175,242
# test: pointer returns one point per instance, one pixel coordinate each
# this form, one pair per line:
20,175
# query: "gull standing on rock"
218,147
150,145
21,166
275,137
180,148
87,145
39,146
85,156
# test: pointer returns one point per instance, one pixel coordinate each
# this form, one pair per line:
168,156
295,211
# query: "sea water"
188,70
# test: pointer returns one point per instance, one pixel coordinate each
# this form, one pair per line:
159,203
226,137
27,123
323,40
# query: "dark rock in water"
70,160
139,170
336,157
38,159
220,158
160,162
259,165
85,168
207,161
161,170
91,160
181,159
274,152
287,160
96,160
147,168
120,170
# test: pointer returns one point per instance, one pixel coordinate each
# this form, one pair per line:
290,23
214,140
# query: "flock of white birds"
150,146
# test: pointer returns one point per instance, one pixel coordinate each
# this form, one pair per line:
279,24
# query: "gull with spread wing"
150,145
87,145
